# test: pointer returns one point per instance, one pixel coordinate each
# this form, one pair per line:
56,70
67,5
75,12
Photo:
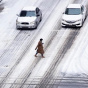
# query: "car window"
82,8
73,11
37,10
27,13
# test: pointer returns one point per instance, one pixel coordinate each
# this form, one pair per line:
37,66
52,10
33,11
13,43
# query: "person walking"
39,48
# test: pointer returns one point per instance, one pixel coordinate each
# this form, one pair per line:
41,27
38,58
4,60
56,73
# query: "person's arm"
36,47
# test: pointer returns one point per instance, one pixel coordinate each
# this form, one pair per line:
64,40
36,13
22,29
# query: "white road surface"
66,49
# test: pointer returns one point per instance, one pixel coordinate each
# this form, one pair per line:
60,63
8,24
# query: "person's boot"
35,55
43,57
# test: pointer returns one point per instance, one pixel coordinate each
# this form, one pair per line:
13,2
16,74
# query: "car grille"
24,23
70,21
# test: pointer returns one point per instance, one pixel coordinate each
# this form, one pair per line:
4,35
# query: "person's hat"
41,39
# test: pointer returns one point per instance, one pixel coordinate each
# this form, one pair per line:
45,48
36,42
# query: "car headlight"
79,20
63,20
17,22
32,22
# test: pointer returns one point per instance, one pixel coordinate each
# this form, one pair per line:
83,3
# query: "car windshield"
27,13
73,11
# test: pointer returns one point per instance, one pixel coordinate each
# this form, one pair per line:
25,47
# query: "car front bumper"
25,26
77,24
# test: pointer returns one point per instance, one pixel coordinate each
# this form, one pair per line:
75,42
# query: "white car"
29,17
74,15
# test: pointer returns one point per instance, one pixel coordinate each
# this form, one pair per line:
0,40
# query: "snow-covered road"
65,62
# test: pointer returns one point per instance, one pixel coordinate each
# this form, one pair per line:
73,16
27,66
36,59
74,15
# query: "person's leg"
36,54
42,56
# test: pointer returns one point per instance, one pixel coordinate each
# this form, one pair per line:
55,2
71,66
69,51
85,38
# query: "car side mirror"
37,15
82,13
17,14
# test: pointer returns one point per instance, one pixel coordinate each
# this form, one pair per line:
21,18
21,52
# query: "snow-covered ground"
65,54
76,58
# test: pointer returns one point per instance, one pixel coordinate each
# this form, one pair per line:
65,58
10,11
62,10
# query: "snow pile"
76,62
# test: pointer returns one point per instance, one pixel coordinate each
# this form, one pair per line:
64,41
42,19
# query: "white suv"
74,15
29,17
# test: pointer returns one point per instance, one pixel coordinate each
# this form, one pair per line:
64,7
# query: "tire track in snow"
48,48
58,2
30,43
59,56
24,78
77,80
49,75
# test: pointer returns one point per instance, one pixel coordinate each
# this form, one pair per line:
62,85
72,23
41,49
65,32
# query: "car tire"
36,25
86,16
17,28
40,19
82,23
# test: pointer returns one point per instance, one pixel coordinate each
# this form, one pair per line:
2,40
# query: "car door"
83,9
38,14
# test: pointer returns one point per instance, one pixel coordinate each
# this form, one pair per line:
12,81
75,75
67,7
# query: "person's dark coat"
40,48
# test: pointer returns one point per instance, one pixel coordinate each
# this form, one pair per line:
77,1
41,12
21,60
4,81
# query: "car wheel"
86,15
40,19
36,25
17,28
81,23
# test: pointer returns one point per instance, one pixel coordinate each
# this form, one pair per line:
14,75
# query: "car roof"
31,8
74,6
